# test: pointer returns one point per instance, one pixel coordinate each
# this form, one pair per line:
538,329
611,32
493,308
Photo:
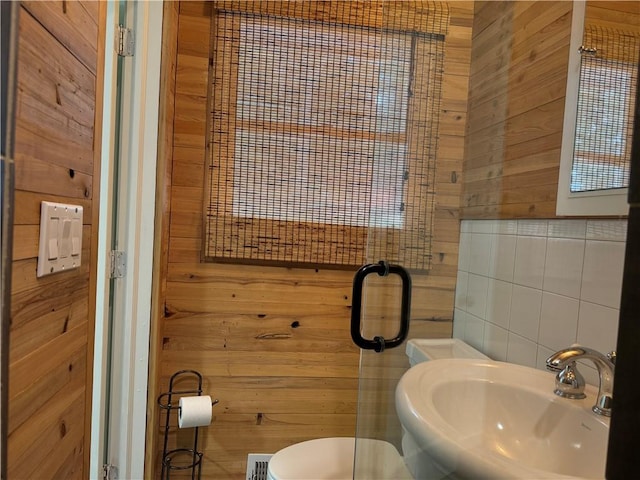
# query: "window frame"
611,202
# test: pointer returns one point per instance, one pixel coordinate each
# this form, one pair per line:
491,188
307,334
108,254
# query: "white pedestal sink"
476,419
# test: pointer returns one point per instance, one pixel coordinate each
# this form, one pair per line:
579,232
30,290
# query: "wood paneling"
164,180
516,103
623,15
74,24
56,160
516,106
273,343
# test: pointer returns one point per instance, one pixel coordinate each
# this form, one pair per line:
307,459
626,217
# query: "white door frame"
125,432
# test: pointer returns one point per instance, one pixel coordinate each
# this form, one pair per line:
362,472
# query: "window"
604,123
321,124
596,151
322,141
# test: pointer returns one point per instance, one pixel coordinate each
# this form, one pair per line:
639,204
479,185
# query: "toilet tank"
423,349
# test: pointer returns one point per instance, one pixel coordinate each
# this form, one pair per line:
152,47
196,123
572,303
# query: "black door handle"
378,343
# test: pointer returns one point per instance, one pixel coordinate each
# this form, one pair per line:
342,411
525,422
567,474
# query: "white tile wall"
499,295
527,288
495,341
601,279
525,311
529,261
563,266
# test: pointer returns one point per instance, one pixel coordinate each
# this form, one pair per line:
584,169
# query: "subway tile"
459,323
498,302
613,230
563,266
503,256
474,332
480,253
543,287
598,327
521,351
524,317
529,261
558,321
589,372
602,272
463,251
541,357
537,228
567,229
506,227
461,290
482,226
495,342
477,295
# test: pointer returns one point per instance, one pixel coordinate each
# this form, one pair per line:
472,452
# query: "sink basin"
474,419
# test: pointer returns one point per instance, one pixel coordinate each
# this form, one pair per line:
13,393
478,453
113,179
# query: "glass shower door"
380,325
409,291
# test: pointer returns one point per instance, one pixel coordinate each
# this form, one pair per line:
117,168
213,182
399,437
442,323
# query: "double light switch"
60,238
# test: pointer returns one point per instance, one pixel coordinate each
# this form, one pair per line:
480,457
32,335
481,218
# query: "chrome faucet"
569,383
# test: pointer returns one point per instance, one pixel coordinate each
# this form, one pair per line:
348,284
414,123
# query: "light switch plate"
60,245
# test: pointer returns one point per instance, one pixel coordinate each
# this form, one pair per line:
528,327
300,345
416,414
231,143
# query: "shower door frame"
127,198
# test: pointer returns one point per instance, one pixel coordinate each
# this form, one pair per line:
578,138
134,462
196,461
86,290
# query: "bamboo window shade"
323,130
606,96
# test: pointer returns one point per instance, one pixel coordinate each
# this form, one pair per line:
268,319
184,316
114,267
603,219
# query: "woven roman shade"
606,96
323,132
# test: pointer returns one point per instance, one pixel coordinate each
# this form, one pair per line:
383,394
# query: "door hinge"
108,472
124,41
118,266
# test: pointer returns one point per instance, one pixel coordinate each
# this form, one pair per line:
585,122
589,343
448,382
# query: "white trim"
607,202
99,401
129,446
135,232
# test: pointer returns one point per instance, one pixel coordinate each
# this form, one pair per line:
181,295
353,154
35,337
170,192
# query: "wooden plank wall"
516,103
166,114
273,343
614,14
57,159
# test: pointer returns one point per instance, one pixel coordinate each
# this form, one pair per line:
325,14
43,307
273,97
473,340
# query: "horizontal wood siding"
52,317
618,15
516,108
273,343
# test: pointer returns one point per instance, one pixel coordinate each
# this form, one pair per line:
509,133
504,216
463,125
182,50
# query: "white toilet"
333,458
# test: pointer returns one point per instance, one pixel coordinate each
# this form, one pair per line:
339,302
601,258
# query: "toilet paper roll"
194,411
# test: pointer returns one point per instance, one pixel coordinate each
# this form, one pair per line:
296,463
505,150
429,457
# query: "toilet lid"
331,459
319,459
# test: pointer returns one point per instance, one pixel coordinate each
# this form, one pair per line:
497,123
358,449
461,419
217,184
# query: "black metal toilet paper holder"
194,462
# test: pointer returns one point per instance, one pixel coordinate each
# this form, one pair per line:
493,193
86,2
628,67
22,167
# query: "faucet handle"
570,383
612,356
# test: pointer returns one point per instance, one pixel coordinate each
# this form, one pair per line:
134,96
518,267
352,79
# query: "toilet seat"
332,459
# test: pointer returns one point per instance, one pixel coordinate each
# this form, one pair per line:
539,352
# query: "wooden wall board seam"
29,6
